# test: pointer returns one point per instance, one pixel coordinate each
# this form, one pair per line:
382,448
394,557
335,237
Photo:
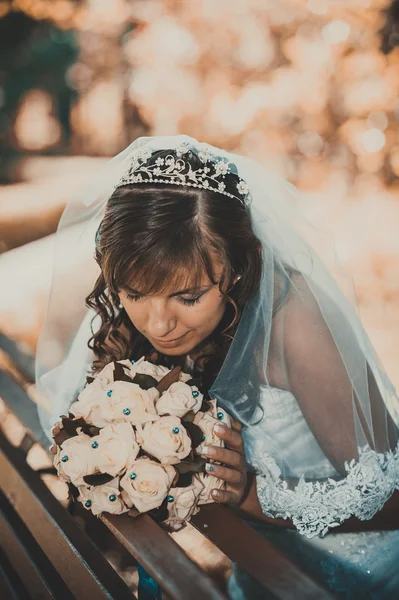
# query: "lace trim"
315,507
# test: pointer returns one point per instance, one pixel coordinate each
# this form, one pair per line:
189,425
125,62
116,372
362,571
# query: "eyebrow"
188,290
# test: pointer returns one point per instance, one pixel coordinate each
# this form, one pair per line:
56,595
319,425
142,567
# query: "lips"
167,342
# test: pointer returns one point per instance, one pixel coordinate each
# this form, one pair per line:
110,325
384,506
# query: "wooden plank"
27,558
257,556
11,587
80,564
163,558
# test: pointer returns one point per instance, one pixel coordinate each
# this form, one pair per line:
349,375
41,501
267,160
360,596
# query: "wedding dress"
355,566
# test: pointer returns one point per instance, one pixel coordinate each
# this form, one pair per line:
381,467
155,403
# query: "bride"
194,256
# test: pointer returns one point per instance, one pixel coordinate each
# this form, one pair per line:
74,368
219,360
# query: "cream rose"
103,498
209,483
184,502
206,422
129,402
219,413
179,399
89,404
143,367
106,376
165,439
74,459
116,447
147,483
184,377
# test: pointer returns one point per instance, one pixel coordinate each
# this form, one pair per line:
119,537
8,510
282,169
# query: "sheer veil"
314,347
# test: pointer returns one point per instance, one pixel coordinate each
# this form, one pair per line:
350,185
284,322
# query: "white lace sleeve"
316,507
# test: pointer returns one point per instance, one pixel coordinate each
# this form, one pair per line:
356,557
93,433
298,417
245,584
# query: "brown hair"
161,235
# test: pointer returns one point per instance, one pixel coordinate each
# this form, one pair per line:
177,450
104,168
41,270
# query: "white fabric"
314,506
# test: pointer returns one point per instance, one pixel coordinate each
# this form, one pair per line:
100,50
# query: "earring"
237,279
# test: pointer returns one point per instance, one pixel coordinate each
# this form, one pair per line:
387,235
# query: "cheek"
204,316
135,312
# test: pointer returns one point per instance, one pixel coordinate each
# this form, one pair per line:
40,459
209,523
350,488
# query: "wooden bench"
49,551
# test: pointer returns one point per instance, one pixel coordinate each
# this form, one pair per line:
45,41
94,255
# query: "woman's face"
176,322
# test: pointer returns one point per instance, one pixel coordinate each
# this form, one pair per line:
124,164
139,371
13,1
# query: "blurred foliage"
34,55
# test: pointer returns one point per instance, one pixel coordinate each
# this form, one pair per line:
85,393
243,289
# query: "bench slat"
162,557
23,559
81,565
257,556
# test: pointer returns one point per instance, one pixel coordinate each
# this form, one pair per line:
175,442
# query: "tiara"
176,170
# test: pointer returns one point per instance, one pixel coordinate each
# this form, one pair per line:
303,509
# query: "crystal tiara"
176,170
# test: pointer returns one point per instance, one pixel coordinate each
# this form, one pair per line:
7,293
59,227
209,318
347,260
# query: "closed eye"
185,301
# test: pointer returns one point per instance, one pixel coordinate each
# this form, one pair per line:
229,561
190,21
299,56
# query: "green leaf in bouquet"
189,417
144,381
61,437
91,430
194,381
160,514
205,406
98,478
191,466
73,491
196,434
185,480
168,379
120,373
71,425
177,526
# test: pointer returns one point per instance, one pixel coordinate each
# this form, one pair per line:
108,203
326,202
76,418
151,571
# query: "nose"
161,320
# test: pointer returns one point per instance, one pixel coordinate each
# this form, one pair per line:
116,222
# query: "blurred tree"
390,31
33,55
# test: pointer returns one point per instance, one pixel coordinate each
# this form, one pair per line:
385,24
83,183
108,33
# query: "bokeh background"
309,88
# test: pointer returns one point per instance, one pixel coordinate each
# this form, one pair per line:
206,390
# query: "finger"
236,425
53,449
223,496
231,458
230,475
232,439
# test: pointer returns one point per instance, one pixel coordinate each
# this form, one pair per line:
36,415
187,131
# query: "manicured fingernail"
216,493
219,428
209,467
209,450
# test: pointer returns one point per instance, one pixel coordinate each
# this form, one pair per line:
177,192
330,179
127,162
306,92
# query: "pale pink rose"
184,502
178,400
129,402
103,498
90,402
147,483
206,422
116,448
165,439
106,376
78,459
215,410
143,367
184,377
209,483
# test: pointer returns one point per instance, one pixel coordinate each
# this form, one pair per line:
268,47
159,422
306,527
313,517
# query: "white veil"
314,346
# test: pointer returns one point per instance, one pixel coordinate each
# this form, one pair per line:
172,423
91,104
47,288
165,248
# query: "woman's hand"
233,469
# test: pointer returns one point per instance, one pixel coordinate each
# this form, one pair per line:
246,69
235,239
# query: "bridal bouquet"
132,443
